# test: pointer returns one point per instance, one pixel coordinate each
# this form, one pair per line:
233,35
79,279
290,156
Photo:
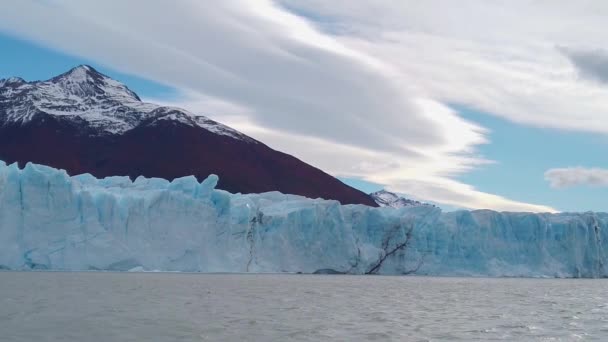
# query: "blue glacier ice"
49,220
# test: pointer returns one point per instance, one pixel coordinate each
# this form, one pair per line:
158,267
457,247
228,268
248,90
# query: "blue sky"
380,95
524,153
521,155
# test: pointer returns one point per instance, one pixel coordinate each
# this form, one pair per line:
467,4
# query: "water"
54,306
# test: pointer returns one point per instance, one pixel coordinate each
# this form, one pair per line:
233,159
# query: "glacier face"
49,220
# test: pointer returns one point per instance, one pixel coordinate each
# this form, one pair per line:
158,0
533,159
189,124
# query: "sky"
467,104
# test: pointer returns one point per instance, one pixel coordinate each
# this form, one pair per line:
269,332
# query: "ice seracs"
49,220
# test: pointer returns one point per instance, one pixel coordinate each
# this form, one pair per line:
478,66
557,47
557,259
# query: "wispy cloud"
500,58
576,176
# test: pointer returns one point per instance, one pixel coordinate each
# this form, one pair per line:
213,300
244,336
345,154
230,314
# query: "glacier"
49,220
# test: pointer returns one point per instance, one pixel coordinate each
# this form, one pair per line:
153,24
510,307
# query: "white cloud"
365,101
424,176
576,176
505,58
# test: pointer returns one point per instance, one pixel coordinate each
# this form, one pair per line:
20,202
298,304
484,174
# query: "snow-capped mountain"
388,199
85,122
108,106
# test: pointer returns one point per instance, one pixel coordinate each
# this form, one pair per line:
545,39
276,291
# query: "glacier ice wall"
49,220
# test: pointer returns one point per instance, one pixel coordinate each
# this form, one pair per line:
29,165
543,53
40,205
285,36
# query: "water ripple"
54,306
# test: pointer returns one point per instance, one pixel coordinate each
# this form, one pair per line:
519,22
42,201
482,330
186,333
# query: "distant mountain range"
85,122
388,199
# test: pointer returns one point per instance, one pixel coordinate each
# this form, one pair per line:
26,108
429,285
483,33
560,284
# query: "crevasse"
49,220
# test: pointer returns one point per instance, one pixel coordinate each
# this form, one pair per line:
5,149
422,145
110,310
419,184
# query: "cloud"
362,95
400,174
497,57
454,193
249,53
591,64
576,176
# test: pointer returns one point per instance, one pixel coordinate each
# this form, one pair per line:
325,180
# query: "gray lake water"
56,306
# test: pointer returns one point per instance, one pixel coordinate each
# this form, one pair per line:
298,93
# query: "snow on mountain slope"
389,199
82,93
49,220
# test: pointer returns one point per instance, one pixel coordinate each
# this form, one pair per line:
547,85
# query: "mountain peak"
80,73
106,105
85,81
389,199
83,68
